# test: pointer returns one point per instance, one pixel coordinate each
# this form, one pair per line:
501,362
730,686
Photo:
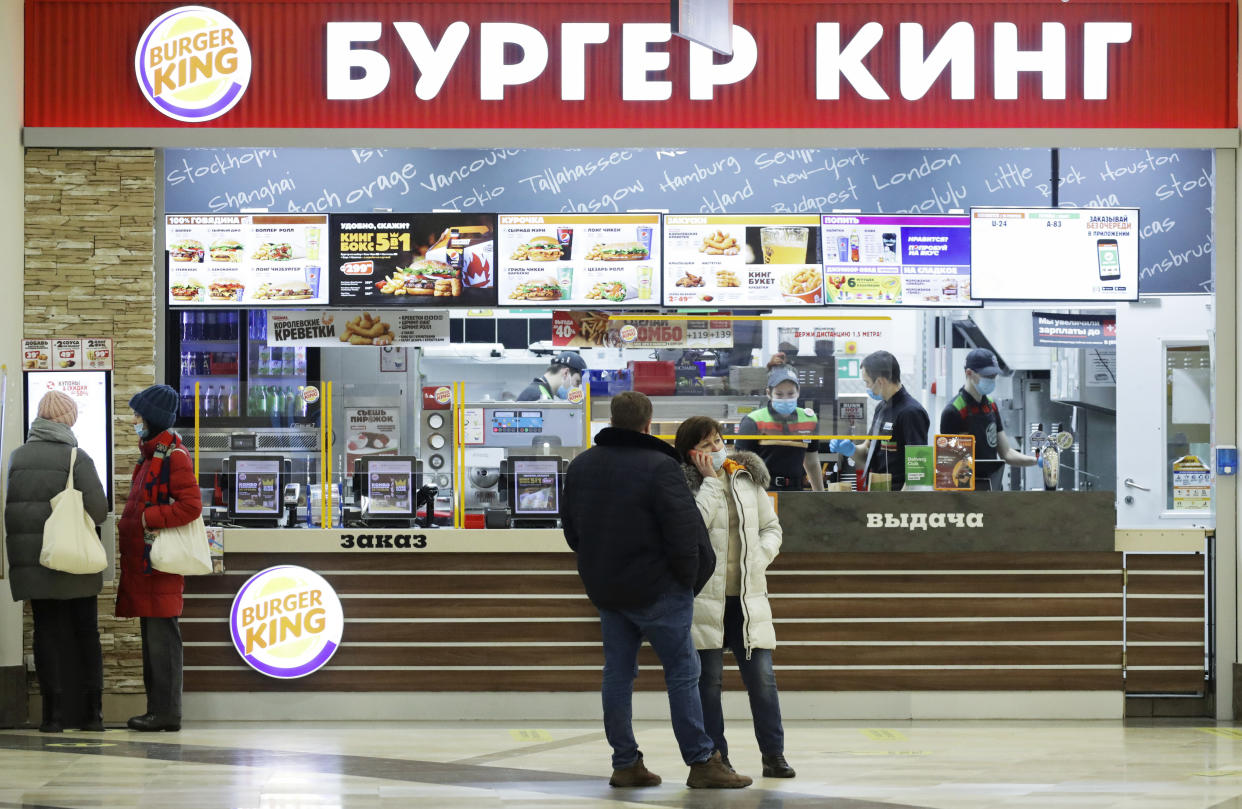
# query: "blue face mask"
718,458
874,395
140,429
562,392
986,385
785,407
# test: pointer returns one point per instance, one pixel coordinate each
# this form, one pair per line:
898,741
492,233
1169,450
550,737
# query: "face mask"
785,406
874,395
985,385
562,392
140,429
718,458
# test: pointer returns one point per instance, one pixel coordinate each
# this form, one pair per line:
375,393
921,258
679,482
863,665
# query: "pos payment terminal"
533,485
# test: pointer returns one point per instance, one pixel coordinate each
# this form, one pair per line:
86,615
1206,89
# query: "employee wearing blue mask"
898,415
973,412
777,428
564,373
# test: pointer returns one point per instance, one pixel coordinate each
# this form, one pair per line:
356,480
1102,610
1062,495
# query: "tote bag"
70,544
183,549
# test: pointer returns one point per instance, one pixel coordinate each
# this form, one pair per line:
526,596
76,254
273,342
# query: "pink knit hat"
57,406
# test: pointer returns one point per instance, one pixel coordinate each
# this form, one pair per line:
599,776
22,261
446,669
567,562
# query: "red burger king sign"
193,64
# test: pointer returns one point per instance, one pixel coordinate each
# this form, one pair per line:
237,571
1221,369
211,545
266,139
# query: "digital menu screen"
256,487
535,487
897,260
248,259
610,260
410,260
390,487
93,429
733,260
1054,254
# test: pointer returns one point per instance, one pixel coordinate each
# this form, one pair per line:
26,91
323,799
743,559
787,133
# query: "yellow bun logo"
443,395
286,622
629,333
193,64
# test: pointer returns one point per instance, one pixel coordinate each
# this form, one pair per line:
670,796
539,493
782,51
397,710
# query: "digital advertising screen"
897,260
390,487
256,487
610,260
1054,254
535,487
246,259
91,391
735,260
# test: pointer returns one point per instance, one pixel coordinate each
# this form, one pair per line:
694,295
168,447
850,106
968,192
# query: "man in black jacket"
643,554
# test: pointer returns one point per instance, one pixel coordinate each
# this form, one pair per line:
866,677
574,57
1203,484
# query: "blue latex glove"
1040,464
841,445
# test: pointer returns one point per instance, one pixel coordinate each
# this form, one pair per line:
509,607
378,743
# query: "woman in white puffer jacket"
732,611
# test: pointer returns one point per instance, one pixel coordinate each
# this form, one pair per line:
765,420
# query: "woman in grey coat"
66,626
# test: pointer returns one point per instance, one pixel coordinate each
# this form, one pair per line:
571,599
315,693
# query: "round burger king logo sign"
193,64
286,622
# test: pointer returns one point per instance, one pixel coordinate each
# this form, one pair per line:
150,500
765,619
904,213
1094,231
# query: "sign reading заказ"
544,65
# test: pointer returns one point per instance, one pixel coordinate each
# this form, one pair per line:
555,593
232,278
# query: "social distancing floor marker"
80,744
1228,733
1217,773
883,735
530,735
878,753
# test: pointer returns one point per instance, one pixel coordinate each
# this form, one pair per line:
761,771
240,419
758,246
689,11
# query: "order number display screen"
1054,254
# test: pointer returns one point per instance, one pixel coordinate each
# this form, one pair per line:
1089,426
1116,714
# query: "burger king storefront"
360,236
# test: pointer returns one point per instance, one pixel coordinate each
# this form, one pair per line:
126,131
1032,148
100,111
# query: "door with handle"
1164,379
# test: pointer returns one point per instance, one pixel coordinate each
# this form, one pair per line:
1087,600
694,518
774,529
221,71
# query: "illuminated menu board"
897,260
1054,254
735,260
602,260
239,260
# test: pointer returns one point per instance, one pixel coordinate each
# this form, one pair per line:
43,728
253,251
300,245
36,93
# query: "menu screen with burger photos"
247,259
409,260
597,260
256,488
897,260
736,260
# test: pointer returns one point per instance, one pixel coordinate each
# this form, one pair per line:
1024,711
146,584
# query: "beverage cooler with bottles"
243,381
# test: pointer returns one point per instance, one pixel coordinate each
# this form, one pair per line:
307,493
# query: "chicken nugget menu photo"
245,259
757,260
608,260
396,259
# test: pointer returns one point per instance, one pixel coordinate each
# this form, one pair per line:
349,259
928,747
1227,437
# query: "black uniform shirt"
905,420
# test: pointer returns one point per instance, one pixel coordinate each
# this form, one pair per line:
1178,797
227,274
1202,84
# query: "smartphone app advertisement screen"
256,487
897,260
89,390
388,486
592,260
1054,254
535,482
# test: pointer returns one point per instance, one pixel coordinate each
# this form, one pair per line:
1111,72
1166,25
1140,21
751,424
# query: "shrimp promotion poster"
354,327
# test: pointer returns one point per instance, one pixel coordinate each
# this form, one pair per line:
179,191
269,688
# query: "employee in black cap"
564,373
973,412
777,430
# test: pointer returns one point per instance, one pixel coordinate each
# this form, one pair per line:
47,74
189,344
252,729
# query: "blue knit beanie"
158,405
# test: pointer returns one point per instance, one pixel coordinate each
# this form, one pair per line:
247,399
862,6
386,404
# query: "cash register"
387,491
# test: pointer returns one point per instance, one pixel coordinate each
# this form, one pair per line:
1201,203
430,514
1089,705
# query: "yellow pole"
459,422
586,414
328,439
323,453
196,384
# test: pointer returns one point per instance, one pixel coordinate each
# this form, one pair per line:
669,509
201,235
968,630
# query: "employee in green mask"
974,412
778,426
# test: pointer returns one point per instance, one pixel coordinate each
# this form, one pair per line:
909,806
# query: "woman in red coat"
164,494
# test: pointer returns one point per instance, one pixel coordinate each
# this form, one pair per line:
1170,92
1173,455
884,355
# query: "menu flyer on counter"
1054,254
586,329
897,260
731,260
257,259
955,463
352,327
591,260
92,354
405,260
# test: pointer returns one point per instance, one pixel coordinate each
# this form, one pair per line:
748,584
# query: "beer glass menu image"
535,485
256,487
406,260
595,260
388,487
1054,254
891,260
260,259
734,260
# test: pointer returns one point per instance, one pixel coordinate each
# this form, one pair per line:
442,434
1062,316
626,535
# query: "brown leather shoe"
635,776
713,774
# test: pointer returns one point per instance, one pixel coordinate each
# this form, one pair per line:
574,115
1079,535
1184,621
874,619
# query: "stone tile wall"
89,272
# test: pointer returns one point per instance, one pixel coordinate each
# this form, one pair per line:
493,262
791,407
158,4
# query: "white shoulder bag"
182,550
70,543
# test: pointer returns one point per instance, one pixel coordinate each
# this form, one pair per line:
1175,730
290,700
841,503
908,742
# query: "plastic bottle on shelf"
232,401
211,326
185,325
187,401
207,401
265,361
291,404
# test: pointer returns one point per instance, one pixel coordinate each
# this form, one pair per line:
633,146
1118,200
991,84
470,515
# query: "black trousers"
162,665
68,659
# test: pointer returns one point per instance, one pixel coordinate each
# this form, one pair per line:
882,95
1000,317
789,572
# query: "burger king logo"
286,622
629,333
310,394
443,395
193,64
575,395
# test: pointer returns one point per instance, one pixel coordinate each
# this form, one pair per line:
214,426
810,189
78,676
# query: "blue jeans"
760,682
666,625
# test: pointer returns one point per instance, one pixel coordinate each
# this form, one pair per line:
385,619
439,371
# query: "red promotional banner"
1029,63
